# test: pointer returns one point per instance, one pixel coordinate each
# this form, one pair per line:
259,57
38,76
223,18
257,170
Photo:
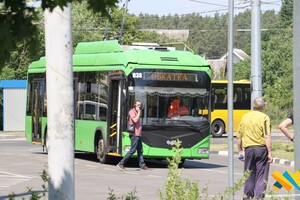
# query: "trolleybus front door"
115,109
37,110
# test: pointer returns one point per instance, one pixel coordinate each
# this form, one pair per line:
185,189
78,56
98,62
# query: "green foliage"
95,5
270,192
286,13
19,22
34,195
208,35
242,70
11,196
86,25
236,187
277,69
177,188
16,67
111,194
130,195
181,189
289,147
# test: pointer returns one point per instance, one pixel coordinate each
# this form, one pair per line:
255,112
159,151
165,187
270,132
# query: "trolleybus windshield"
171,98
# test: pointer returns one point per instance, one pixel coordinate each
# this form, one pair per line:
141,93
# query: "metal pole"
60,112
105,31
256,77
106,27
230,96
123,21
296,83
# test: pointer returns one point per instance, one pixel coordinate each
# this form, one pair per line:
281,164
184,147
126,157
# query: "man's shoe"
146,168
121,167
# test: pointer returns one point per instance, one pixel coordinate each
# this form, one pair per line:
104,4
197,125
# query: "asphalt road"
22,164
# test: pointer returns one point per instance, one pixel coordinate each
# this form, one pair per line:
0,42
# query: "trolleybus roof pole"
123,21
106,27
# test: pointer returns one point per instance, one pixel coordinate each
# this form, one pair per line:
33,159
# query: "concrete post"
60,112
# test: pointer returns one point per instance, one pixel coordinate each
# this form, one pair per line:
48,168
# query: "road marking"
127,172
9,179
283,195
12,139
110,169
93,166
14,175
154,176
221,172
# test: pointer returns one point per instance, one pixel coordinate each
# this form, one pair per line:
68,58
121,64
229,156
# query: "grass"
279,149
221,147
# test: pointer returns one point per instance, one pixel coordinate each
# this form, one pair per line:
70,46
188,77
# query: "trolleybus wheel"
181,163
101,155
217,128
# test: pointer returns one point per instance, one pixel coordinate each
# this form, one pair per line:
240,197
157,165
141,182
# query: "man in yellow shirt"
254,137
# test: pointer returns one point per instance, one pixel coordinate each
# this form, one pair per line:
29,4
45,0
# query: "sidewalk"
12,134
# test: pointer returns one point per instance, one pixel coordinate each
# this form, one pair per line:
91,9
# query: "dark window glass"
92,95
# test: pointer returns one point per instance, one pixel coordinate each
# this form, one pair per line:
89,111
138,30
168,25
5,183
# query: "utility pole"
256,77
60,101
230,96
296,86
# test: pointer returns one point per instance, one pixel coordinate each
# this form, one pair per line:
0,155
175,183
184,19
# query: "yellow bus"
241,105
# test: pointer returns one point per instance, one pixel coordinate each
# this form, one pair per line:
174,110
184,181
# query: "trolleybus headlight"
127,148
203,151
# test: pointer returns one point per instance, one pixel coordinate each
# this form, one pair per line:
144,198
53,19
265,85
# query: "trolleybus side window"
92,95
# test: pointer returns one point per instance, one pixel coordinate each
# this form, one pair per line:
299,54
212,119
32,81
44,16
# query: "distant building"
178,35
238,55
219,65
13,104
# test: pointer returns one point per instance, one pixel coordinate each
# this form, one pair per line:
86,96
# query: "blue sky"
203,7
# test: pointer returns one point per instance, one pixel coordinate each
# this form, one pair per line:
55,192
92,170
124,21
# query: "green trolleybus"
108,78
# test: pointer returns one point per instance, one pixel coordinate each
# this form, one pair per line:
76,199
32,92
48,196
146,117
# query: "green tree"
277,66
20,57
86,25
18,22
242,70
286,13
16,67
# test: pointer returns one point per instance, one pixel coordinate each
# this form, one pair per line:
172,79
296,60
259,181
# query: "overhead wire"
240,5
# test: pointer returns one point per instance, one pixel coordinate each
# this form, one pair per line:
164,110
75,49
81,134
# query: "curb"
11,136
275,160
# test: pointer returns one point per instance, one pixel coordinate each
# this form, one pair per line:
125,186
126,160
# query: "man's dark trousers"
256,160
